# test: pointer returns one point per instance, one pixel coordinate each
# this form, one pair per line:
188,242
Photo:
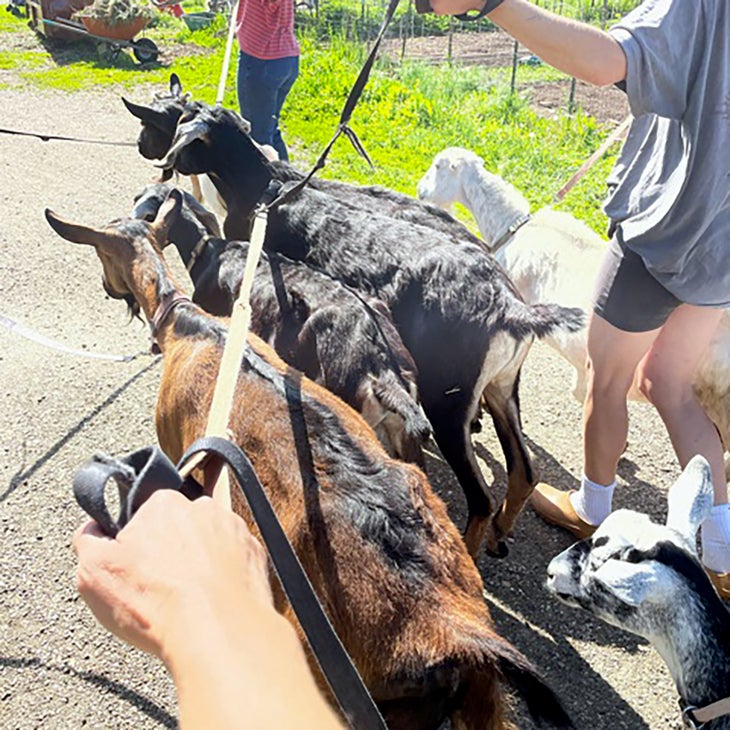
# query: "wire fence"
443,40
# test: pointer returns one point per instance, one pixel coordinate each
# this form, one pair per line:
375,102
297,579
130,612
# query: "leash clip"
688,719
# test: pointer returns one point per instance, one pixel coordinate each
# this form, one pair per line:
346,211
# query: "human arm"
578,49
187,582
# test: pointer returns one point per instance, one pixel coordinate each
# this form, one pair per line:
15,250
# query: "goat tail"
542,320
483,703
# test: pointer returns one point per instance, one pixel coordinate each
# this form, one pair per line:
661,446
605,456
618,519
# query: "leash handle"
137,476
140,474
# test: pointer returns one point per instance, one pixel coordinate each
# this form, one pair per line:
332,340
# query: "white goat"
553,257
550,257
646,578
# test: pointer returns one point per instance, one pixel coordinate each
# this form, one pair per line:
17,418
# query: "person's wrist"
202,629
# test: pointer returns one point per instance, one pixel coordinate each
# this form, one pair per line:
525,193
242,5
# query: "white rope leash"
230,365
20,329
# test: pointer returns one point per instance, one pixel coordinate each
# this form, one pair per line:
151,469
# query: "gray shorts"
627,295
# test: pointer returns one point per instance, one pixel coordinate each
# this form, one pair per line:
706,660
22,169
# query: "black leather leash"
143,472
343,124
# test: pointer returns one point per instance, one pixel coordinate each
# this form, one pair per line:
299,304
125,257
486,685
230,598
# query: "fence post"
449,53
571,97
513,80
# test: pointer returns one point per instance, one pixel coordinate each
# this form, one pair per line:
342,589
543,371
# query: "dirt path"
58,669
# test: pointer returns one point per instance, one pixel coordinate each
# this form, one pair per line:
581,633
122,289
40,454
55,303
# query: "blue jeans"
262,89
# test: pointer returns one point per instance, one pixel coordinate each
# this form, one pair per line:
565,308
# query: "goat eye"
632,555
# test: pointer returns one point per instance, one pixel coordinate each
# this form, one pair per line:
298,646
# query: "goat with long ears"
455,309
387,564
159,123
646,578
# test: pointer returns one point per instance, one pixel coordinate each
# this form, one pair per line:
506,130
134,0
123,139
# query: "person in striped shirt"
268,66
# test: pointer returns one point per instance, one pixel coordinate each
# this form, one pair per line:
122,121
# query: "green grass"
9,23
22,60
408,112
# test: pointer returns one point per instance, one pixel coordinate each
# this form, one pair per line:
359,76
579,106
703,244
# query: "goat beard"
132,307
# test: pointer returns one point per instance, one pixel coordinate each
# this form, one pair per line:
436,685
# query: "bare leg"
665,376
613,356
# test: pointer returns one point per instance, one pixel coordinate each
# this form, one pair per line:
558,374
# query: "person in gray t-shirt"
666,275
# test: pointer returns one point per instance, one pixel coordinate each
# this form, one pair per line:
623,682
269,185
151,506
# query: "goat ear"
145,113
636,583
690,499
186,133
167,215
175,85
74,232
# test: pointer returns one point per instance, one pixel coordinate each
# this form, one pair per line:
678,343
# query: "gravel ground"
58,669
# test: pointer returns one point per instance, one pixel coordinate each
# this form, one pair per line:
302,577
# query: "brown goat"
386,562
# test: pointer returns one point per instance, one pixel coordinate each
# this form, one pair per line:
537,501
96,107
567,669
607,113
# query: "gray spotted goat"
646,578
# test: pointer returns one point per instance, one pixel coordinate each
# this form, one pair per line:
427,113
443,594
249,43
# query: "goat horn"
186,133
72,231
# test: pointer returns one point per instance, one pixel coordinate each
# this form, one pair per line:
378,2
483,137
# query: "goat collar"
197,250
168,303
695,718
507,235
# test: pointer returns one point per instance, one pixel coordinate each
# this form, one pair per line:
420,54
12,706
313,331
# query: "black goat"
159,122
455,309
344,341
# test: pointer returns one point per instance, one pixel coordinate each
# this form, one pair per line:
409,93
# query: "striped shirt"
265,29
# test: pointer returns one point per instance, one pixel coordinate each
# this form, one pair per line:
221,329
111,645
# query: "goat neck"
232,160
496,205
696,649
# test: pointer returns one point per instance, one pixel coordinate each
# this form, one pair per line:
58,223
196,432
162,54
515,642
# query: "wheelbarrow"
111,39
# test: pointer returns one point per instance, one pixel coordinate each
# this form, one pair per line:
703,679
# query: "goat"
154,138
551,257
456,311
556,258
159,122
646,579
388,566
339,339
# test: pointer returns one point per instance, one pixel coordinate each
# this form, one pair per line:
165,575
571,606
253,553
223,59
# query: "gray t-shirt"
670,187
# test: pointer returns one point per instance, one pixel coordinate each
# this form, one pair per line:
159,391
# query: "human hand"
175,565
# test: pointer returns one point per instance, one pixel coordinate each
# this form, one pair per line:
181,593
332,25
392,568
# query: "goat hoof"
502,550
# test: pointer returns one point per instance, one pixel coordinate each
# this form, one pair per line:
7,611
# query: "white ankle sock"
592,501
716,539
